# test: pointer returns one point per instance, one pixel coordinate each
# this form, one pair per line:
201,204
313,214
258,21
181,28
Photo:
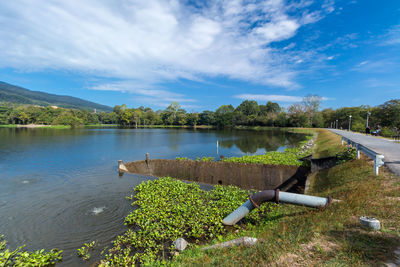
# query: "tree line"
50,115
306,113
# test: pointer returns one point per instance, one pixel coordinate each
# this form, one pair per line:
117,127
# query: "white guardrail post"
377,158
378,161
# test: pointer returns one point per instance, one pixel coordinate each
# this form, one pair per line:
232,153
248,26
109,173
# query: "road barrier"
378,158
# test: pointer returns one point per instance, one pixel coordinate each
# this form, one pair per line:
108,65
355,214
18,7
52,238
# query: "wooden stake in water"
217,147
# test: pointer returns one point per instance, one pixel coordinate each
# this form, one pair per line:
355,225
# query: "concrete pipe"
279,197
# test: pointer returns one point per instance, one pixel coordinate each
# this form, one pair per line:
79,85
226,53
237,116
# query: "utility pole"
349,122
368,114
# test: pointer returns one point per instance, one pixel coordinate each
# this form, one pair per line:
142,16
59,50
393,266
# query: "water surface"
60,188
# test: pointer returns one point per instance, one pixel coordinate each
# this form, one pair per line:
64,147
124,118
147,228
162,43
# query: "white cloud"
277,98
146,95
362,63
153,41
381,65
392,37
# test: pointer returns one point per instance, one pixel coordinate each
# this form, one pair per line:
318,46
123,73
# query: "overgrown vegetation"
20,257
300,236
197,159
168,209
290,156
270,158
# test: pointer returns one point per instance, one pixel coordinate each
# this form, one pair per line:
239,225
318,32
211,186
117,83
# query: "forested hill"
18,95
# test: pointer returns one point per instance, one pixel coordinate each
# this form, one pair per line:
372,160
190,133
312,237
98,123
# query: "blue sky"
204,53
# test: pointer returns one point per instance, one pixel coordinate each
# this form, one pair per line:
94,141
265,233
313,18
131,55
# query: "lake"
61,188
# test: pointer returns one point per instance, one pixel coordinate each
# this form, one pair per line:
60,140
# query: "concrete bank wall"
248,176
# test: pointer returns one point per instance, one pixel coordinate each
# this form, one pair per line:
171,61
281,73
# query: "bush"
387,132
346,155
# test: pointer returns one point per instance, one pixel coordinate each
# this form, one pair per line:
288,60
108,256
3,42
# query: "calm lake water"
61,188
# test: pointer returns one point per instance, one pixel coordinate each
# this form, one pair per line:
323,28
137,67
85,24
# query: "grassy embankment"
331,237
56,126
34,126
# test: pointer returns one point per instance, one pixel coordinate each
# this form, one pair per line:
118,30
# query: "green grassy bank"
288,235
57,126
300,236
35,126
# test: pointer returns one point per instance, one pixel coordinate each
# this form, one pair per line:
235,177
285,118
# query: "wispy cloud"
153,41
374,82
382,65
392,37
276,98
147,95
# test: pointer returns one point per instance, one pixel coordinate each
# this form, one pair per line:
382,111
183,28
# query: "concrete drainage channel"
246,176
273,179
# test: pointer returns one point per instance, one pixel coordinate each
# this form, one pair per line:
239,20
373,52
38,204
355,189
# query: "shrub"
346,155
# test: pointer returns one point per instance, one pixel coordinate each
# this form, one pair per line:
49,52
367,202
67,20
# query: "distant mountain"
15,94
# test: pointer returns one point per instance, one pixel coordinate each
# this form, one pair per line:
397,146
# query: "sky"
204,54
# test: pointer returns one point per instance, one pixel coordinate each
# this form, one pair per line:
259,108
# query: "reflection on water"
271,140
61,188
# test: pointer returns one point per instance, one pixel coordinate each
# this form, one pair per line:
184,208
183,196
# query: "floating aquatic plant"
83,252
19,257
168,209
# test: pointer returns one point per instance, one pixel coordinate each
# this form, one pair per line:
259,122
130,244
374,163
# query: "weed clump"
346,155
83,252
169,209
19,257
290,156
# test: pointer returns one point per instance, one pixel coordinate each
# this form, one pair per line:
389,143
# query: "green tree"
249,108
193,119
125,117
67,118
224,115
207,118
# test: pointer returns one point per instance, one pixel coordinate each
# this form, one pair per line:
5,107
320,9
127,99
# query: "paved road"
390,149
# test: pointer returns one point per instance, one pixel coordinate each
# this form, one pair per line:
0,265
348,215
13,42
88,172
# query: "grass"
101,125
35,126
298,236
56,126
327,144
175,126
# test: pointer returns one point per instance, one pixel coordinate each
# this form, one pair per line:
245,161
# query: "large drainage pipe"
279,197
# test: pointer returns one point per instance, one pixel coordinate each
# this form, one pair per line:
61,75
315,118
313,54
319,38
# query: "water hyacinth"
168,209
269,158
289,157
20,257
